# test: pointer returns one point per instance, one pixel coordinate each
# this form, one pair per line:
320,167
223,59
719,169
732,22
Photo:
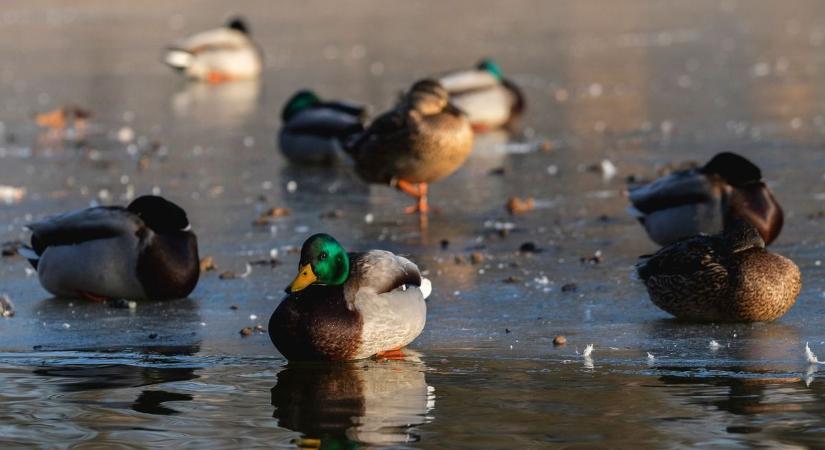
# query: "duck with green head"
222,54
728,277
344,306
423,139
313,131
490,100
707,199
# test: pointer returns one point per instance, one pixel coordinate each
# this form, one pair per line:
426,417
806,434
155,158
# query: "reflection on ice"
370,402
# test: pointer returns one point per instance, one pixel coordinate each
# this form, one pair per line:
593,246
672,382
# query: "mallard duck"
728,277
349,306
144,251
423,139
313,131
218,55
490,100
706,200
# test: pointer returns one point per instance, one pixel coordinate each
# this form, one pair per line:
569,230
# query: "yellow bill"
304,278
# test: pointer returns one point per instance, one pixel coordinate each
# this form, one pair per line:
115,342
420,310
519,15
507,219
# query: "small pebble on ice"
125,135
66,326
253,317
609,169
291,186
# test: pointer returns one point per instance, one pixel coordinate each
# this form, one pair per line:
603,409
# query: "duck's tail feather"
31,255
178,58
426,287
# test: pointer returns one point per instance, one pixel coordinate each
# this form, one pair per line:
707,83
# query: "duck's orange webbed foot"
417,190
92,297
215,77
396,354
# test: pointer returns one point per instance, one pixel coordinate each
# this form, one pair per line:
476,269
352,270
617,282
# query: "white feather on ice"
810,357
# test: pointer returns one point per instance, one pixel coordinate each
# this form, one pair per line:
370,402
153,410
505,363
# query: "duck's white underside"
668,225
67,270
221,50
489,107
391,320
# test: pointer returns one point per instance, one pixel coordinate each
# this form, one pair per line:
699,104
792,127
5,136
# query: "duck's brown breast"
315,324
766,287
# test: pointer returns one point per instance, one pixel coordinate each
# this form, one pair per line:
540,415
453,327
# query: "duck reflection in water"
341,405
92,382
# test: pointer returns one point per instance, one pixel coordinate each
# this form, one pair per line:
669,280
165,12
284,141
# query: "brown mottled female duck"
707,200
729,277
423,139
349,306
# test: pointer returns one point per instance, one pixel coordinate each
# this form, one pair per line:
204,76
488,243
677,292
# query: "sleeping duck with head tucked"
707,199
728,277
141,252
352,306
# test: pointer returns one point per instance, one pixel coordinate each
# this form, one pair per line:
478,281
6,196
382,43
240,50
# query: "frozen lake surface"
640,83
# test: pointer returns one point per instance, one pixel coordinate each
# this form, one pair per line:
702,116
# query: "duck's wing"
462,82
81,226
676,189
380,272
389,125
216,38
351,108
683,257
327,120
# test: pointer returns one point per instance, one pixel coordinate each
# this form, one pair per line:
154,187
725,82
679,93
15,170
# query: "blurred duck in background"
706,200
218,55
146,251
314,131
489,100
423,139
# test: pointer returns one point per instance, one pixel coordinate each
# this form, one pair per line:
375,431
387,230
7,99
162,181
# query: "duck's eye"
322,256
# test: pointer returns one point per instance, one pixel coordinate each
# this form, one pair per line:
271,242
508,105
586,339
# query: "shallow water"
639,83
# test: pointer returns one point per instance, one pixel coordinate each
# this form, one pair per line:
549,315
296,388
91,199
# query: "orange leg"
395,354
92,297
215,77
480,127
417,190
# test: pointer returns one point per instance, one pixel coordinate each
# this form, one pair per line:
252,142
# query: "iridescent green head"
490,66
323,261
300,101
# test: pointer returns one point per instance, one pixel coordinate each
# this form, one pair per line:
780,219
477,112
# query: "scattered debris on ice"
517,205
608,169
6,307
229,275
810,357
208,264
11,194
